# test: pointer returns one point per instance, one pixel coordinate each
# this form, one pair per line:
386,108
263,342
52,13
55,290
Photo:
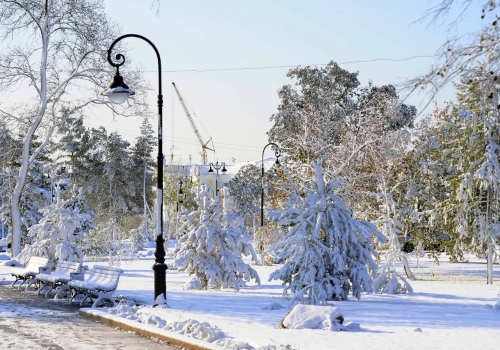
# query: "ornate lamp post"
277,153
217,167
118,92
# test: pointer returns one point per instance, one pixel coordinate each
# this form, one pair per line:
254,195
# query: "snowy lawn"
452,307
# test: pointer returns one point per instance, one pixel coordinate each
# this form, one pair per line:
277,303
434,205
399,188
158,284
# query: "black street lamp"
181,195
217,167
277,153
118,92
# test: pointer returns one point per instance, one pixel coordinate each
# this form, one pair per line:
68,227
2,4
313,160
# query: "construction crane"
204,146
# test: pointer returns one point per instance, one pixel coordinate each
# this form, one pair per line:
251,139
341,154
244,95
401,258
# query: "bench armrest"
44,269
76,276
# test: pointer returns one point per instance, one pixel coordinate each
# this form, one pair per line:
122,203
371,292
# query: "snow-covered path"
31,322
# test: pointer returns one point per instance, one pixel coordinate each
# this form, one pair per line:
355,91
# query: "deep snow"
452,307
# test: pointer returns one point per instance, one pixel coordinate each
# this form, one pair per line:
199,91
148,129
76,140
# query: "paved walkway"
28,321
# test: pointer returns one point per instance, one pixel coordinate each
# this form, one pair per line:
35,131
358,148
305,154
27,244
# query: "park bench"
58,279
100,283
26,274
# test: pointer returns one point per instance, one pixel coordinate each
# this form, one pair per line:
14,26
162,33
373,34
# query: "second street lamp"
118,92
217,167
277,153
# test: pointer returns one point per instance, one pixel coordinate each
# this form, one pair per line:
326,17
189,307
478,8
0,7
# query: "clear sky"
203,45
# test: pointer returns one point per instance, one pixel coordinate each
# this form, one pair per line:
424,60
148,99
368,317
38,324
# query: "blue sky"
233,106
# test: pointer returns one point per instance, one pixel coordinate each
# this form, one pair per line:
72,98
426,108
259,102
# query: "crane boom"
203,144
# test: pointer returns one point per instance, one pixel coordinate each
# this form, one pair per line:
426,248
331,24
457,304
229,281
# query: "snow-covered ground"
452,307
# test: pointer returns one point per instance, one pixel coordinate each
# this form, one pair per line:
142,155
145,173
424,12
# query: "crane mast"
203,144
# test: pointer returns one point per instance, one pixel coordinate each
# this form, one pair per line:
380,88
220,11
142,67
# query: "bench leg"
41,286
23,282
31,281
17,280
104,295
85,298
61,290
50,289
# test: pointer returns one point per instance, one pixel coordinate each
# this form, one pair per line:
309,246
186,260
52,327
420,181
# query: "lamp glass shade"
118,95
118,91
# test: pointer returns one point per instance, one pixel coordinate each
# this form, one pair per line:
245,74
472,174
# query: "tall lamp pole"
118,92
277,153
217,167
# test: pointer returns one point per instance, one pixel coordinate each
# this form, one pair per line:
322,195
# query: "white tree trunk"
489,262
16,227
408,272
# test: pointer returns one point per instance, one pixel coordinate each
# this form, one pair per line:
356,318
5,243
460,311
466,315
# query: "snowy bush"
64,223
212,246
326,252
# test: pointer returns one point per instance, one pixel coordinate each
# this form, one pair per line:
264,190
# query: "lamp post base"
160,270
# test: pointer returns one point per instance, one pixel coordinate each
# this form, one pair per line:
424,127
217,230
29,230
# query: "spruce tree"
387,279
59,233
326,252
472,149
212,246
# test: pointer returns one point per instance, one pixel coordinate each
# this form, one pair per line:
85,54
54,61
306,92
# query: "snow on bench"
100,282
27,274
57,279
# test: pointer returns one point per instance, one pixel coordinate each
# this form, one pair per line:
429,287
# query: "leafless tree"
57,57
459,51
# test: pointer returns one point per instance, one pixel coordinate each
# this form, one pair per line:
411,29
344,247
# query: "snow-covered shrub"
212,246
326,252
60,231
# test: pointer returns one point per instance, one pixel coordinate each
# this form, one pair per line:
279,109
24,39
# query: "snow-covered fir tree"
212,246
473,151
388,280
234,225
58,234
418,252
326,252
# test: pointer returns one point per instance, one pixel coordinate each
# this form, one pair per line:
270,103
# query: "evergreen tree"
326,252
473,151
421,176
388,280
36,192
143,166
211,248
58,234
